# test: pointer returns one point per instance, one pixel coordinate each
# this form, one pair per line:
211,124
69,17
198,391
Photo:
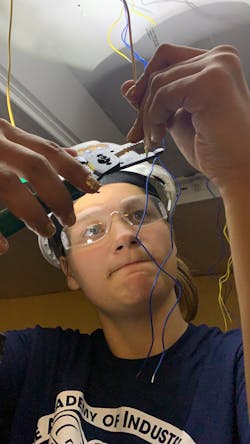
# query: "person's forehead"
109,194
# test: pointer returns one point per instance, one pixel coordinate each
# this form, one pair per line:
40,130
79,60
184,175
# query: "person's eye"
149,215
93,231
137,215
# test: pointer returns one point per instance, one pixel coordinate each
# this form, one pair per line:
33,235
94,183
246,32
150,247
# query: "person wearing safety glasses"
149,375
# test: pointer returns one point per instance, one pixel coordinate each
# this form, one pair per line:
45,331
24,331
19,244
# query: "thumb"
127,90
126,86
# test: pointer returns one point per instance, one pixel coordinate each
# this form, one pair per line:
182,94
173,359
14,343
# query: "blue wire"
177,283
155,281
160,269
124,39
159,266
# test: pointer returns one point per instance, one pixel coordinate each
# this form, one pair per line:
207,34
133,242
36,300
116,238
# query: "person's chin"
138,287
135,282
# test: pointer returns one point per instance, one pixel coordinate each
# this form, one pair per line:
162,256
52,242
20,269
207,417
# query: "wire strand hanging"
8,101
134,69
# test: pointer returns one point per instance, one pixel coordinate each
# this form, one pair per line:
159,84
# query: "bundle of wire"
125,32
128,30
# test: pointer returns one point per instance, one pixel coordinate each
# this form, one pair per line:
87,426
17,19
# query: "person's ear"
71,280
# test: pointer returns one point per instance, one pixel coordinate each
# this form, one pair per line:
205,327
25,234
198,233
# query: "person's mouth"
127,265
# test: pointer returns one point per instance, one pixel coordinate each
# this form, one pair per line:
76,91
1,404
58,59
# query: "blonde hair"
189,300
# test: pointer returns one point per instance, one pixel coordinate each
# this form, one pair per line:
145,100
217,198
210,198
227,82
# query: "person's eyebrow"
89,210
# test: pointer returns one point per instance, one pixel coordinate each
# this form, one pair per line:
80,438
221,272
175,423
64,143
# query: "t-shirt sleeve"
32,355
12,371
241,400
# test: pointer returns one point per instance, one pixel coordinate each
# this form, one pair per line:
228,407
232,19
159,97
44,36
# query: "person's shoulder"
214,332
51,336
39,330
43,344
229,342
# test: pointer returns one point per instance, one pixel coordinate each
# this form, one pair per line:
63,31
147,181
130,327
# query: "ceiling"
66,76
65,86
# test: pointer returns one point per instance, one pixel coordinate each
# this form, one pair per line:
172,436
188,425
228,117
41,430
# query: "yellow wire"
11,117
109,37
146,17
222,280
225,233
111,28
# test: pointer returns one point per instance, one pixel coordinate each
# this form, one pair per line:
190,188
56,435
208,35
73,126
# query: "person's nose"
122,234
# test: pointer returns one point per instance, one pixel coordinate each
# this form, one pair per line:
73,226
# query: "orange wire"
131,41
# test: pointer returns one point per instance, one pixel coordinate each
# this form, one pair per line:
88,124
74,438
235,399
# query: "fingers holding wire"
155,111
178,66
165,57
167,93
168,63
62,159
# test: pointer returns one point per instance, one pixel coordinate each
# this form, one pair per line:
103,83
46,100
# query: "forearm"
237,207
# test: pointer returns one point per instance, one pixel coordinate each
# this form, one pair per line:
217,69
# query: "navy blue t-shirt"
63,387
